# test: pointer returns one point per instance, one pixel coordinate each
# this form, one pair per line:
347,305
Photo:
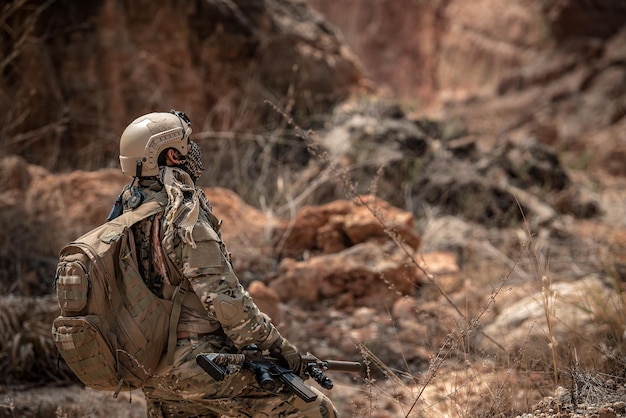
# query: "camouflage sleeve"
220,291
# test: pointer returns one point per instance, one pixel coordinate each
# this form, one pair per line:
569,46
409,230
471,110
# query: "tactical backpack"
112,331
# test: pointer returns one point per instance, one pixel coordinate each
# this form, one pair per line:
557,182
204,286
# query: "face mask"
193,161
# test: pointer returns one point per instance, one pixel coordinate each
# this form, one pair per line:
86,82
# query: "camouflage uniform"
183,389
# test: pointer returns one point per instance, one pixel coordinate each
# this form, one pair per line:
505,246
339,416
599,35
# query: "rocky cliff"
75,74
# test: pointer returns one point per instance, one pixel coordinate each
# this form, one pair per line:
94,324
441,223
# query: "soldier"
184,243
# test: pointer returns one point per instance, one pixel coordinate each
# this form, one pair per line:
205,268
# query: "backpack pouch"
86,351
72,284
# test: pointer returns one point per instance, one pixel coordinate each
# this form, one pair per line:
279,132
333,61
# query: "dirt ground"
69,402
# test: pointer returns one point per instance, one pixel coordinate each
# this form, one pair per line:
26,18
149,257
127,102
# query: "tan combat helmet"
147,136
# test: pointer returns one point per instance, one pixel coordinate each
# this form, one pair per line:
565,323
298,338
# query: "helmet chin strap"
138,168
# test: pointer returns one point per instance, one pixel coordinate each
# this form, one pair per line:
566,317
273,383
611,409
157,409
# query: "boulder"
340,224
267,300
366,274
568,317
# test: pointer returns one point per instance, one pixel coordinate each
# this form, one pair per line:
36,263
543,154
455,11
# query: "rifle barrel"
344,366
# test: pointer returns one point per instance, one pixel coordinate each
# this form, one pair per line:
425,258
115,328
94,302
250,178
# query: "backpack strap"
147,209
177,300
176,277
128,219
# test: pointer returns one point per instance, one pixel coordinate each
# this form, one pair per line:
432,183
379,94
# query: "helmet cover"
147,136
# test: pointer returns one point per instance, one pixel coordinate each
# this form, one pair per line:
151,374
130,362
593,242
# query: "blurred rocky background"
436,188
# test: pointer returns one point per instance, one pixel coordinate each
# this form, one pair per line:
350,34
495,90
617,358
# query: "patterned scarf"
193,161
183,206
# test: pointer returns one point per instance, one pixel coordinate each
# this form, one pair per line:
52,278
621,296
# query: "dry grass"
458,382
461,380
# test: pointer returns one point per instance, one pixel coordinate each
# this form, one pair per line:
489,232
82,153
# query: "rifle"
270,373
